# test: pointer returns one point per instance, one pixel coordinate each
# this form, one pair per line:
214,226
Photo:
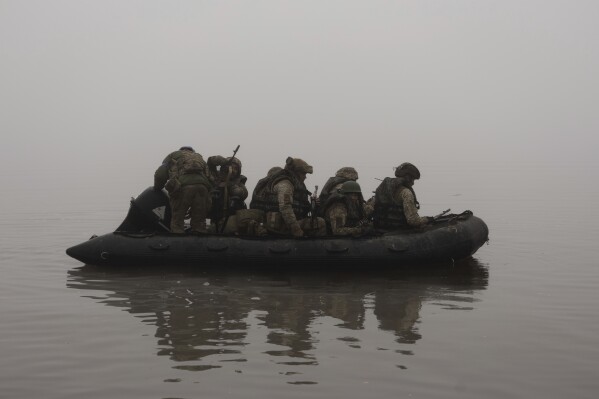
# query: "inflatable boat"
143,239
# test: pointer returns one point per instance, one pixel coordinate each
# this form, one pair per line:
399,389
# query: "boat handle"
394,248
217,249
279,250
159,246
334,250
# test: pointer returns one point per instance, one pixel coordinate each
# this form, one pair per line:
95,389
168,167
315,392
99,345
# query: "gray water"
517,320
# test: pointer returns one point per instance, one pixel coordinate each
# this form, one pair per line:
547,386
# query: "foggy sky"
109,88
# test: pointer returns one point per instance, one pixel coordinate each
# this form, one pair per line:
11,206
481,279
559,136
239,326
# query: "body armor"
266,199
388,214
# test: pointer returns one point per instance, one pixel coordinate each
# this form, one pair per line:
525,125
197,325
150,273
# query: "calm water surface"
519,319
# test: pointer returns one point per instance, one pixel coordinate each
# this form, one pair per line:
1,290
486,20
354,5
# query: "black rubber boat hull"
445,242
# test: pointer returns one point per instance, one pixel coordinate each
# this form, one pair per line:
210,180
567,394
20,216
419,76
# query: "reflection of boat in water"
209,320
142,239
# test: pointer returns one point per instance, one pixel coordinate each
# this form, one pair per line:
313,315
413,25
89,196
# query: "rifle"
226,191
235,152
441,214
313,205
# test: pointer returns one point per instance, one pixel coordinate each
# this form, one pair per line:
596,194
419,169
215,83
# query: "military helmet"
407,168
297,165
186,148
347,172
350,187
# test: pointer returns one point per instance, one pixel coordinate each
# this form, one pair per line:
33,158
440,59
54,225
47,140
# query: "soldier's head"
186,148
299,167
408,173
347,172
351,189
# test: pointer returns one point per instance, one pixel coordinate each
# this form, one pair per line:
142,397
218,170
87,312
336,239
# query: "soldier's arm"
284,191
410,210
160,177
337,215
169,158
369,207
163,172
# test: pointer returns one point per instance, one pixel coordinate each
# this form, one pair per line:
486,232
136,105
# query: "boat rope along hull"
448,241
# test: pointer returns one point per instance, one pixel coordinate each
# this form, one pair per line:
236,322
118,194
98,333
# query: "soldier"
229,192
347,173
183,174
346,212
286,201
250,222
395,204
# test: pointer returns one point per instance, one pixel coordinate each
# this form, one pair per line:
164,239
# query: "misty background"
97,93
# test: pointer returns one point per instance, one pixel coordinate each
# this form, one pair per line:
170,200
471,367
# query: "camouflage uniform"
283,195
194,198
229,192
334,183
297,228
346,212
337,216
251,223
369,206
236,183
161,174
405,197
395,204
188,190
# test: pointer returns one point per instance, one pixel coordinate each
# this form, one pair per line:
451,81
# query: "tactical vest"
266,199
388,214
351,220
325,193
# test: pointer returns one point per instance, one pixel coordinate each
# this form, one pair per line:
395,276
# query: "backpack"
186,162
189,162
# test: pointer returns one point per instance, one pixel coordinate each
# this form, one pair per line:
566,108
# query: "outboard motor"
149,212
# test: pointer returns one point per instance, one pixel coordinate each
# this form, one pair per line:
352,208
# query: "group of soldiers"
281,204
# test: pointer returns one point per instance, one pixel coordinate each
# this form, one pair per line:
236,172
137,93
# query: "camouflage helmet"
347,172
407,168
186,148
297,165
350,187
